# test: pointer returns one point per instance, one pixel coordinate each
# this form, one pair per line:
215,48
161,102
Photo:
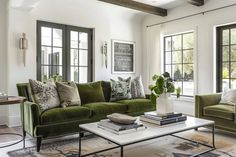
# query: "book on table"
165,121
120,128
160,116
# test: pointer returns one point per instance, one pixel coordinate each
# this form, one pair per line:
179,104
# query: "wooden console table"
11,101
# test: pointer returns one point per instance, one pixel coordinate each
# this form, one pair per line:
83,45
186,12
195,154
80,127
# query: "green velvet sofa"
62,121
209,107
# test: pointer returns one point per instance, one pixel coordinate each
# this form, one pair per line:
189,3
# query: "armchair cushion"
220,111
59,115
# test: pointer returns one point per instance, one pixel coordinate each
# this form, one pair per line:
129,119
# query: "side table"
11,101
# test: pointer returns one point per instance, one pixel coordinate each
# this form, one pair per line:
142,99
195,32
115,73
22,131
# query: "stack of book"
120,128
163,119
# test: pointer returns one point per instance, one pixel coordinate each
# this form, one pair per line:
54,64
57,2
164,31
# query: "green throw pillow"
44,94
120,89
91,92
68,94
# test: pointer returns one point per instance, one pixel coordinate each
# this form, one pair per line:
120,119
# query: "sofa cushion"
106,87
101,109
58,115
220,111
68,94
120,90
138,105
44,94
91,92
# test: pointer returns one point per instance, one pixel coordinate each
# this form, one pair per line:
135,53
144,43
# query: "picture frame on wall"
123,57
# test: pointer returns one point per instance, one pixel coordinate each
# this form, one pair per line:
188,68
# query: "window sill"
182,98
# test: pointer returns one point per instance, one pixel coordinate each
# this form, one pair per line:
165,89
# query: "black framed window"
178,61
64,50
226,57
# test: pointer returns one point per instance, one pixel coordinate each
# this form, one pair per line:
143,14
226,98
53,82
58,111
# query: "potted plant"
161,90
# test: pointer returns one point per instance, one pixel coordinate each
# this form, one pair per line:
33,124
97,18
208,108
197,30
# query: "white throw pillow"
229,97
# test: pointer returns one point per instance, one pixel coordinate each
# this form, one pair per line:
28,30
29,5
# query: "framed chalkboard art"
123,56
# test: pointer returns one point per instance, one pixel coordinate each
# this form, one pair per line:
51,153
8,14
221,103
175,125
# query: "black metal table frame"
15,134
211,147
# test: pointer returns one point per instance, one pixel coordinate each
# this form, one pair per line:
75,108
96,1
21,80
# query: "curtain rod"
201,13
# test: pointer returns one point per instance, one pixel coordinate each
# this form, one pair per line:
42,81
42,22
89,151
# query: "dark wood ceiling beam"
196,2
138,6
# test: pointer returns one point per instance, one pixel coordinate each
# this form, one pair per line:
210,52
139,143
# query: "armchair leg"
39,140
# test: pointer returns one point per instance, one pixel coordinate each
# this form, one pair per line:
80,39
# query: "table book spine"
165,121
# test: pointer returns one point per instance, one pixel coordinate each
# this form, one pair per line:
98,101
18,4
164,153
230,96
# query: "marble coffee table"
152,132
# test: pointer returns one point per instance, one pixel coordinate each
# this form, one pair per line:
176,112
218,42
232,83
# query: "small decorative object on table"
121,118
160,92
3,96
163,119
121,124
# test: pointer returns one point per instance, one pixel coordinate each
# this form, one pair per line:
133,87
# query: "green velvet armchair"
209,107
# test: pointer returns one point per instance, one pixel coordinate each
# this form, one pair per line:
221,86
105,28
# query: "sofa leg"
39,140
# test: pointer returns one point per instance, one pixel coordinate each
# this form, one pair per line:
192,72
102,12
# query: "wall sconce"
23,46
104,52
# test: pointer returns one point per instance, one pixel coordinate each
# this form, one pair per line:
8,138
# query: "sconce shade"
23,42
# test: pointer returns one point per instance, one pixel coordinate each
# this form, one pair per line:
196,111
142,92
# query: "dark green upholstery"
91,92
100,109
220,111
95,106
60,115
106,87
138,105
31,116
209,107
24,90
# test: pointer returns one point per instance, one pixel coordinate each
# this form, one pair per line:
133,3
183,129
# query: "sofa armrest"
202,101
31,116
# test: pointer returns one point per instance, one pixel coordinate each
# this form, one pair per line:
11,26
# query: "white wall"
203,26
3,54
109,22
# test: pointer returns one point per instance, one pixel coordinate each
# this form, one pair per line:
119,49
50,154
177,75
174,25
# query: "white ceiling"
167,4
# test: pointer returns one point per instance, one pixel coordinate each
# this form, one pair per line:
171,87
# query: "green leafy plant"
163,84
55,78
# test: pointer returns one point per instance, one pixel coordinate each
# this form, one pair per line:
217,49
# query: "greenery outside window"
226,57
178,61
64,50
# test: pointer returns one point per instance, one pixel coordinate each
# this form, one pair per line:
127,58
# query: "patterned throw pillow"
137,89
120,89
68,94
44,94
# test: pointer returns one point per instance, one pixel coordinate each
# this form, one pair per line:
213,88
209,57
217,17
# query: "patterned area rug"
168,146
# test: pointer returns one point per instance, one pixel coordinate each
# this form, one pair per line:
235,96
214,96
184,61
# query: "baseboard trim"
14,121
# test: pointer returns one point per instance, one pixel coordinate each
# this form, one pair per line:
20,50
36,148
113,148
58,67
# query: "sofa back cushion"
91,92
24,90
44,94
106,87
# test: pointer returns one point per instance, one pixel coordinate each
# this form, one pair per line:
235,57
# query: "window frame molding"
194,31
65,48
219,52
